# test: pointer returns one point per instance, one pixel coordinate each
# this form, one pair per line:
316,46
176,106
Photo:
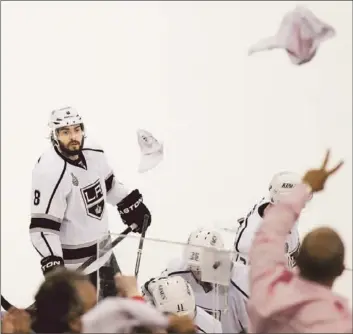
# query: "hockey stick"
108,248
142,240
6,305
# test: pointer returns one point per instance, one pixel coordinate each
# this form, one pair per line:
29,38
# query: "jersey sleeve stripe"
44,223
47,243
45,216
109,182
79,253
179,272
200,329
240,234
242,327
38,251
56,187
239,289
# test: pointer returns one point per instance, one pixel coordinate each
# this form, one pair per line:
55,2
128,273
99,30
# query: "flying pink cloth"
280,300
300,34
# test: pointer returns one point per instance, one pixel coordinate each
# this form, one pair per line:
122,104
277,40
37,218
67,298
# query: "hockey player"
210,297
71,184
281,183
236,320
174,295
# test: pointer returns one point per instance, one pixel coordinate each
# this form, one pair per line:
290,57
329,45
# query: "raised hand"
316,178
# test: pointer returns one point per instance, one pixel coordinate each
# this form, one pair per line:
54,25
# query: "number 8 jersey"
68,211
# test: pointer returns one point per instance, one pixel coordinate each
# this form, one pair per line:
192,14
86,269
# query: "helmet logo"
213,240
161,291
287,185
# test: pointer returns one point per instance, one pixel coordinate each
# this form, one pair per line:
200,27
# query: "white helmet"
172,294
59,118
197,241
281,184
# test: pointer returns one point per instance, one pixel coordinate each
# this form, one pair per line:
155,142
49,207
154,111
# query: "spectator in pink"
283,301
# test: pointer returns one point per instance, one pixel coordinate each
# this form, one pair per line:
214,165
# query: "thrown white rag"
121,315
300,34
151,151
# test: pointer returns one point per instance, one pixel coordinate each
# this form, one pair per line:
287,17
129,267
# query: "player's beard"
70,153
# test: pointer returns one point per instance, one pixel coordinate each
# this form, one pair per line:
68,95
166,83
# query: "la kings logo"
94,200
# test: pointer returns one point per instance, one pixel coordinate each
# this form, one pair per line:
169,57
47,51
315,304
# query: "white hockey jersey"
206,323
206,296
68,210
248,227
236,319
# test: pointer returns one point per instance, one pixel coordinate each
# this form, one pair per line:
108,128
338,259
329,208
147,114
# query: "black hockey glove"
132,210
51,262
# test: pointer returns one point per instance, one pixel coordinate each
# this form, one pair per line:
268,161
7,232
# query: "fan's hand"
316,178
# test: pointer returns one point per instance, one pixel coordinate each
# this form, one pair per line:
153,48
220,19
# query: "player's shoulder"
206,323
239,272
49,165
176,267
91,146
261,206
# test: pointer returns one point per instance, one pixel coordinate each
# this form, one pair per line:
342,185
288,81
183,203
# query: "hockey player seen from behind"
71,184
281,185
210,297
174,295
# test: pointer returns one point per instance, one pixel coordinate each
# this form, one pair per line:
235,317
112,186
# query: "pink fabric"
281,301
121,315
300,34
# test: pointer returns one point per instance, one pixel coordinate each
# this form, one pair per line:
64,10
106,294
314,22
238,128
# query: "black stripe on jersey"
109,182
200,329
240,234
38,251
93,149
79,253
180,272
261,209
240,290
56,187
45,223
243,331
47,243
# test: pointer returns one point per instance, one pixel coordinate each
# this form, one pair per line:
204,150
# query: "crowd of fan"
66,301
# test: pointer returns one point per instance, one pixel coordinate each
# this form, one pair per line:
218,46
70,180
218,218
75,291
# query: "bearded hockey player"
210,297
174,295
71,184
